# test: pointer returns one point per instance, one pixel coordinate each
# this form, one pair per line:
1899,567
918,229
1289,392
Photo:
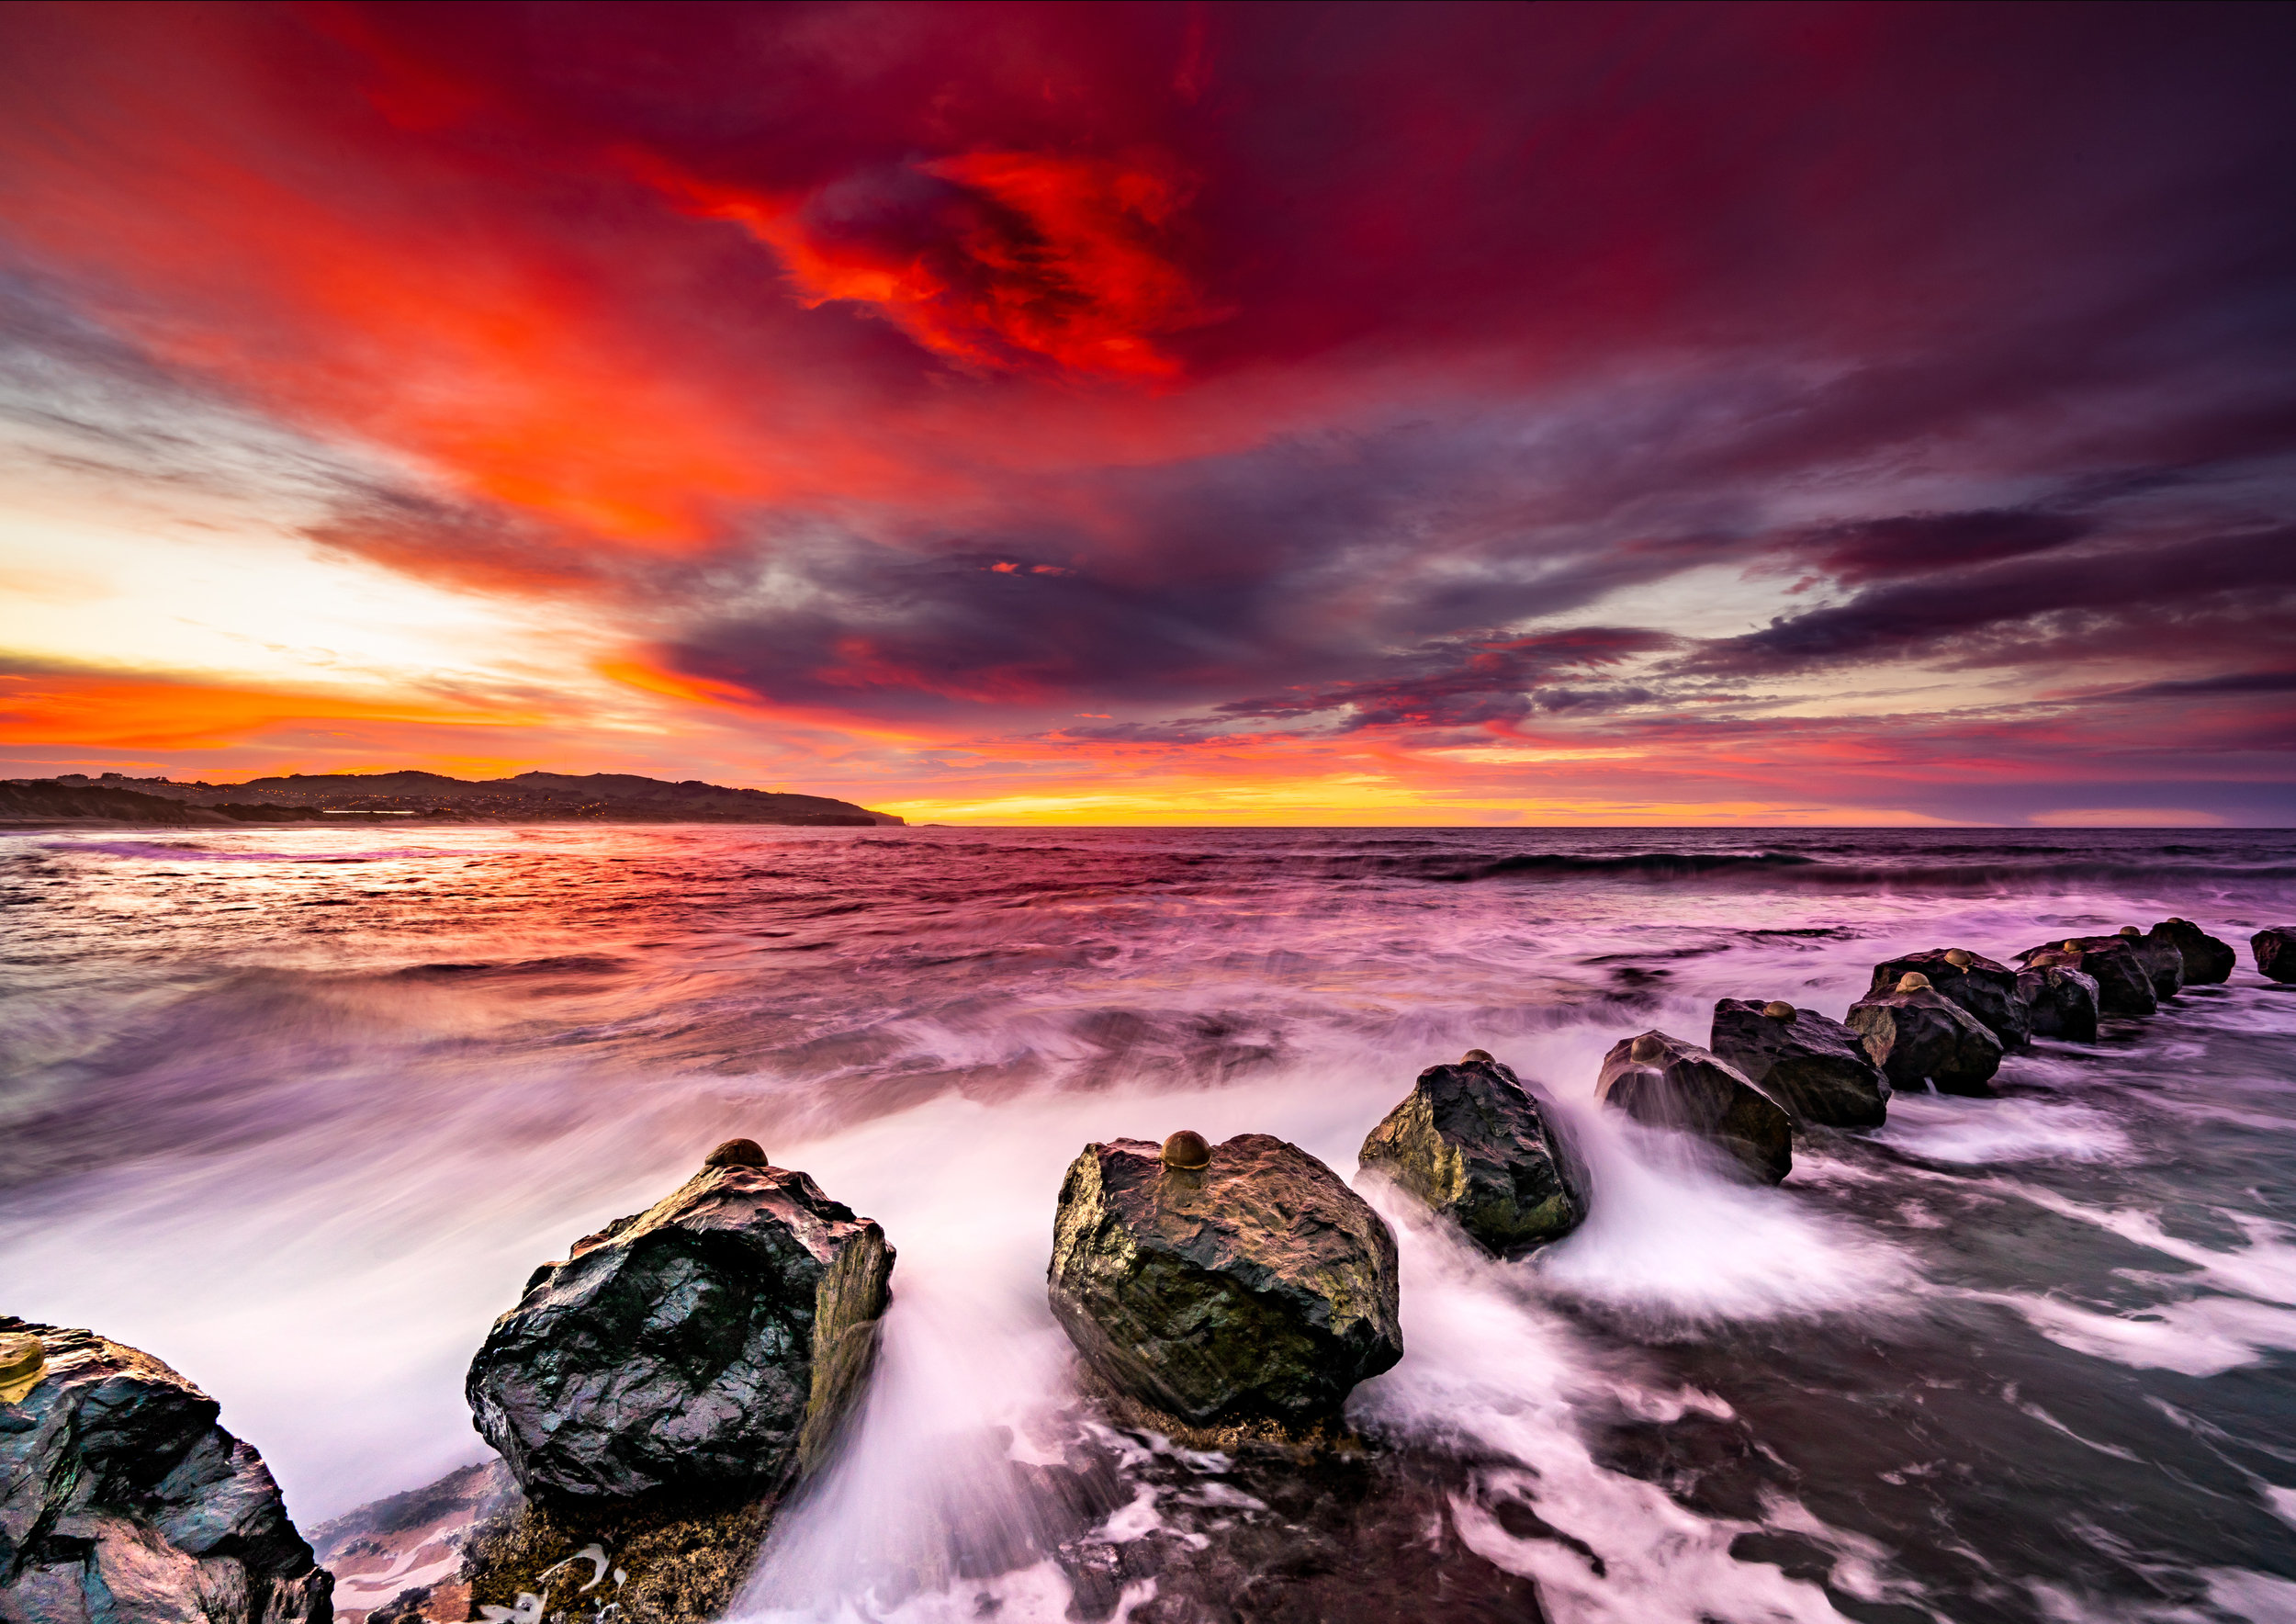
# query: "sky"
1134,413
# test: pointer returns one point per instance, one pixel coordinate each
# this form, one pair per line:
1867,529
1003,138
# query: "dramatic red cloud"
1237,393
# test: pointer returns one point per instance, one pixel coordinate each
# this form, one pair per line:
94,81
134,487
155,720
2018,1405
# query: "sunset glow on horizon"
1163,413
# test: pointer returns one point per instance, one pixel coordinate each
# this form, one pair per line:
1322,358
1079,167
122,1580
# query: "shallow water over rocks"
299,1112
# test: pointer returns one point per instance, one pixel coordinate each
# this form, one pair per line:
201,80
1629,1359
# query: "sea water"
299,1111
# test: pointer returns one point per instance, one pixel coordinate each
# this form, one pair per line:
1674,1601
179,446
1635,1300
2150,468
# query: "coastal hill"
531,797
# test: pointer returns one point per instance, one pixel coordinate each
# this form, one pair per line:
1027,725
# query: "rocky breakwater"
1921,1037
122,1502
1667,1083
656,1391
2162,960
2061,999
1986,990
2275,947
1239,1286
2124,986
1480,1149
2207,961
1817,1068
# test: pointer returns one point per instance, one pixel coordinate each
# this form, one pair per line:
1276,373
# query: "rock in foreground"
1917,1036
122,1502
1255,1287
1817,1068
1667,1083
2207,961
2275,947
2163,960
710,1344
1986,990
1477,1146
2061,998
2124,987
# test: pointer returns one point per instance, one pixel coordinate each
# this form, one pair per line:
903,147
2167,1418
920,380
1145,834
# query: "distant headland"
425,797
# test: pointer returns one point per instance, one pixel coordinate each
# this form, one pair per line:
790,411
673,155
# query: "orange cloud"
154,713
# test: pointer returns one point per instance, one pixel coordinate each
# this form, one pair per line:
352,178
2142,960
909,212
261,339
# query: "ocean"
299,1111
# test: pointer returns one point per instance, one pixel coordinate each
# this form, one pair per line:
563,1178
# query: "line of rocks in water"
658,1394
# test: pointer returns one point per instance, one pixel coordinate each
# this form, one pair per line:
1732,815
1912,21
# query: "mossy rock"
681,1558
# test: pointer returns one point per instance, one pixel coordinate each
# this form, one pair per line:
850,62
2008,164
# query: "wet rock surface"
1919,1037
710,1344
1667,1082
1476,1147
2275,950
1816,1067
2162,960
121,1499
2061,998
1986,990
2124,987
400,1558
2208,961
1259,1286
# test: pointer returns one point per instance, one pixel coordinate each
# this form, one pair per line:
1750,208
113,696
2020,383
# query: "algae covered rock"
1255,1287
1986,990
2061,998
711,1342
2275,948
1477,1146
1667,1083
1816,1067
121,1499
2207,961
2124,984
1917,1036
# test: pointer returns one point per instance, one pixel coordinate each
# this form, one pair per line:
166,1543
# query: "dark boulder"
121,1499
2275,947
1667,1083
1817,1068
710,1344
2207,961
1477,1146
1986,990
1257,1287
1917,1036
2061,997
2163,960
2124,986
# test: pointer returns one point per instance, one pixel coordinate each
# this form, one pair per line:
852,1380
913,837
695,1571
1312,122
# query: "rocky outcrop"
1816,1067
2275,947
710,1344
1986,990
121,1499
1477,1146
1256,1286
1667,1083
2162,959
2207,961
1918,1036
2124,986
2060,997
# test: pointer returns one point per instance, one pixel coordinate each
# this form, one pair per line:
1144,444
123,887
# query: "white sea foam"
1942,1128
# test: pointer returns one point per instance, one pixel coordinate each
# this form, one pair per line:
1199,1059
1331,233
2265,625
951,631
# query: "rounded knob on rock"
1476,1057
1649,1046
2131,931
1778,1009
2071,946
1961,958
737,1153
1187,1150
1913,981
23,1362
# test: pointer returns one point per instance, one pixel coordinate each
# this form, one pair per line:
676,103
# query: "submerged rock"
2163,960
1259,1286
1668,1083
1986,990
2275,947
2061,998
2124,986
2207,961
1816,1067
121,1500
1917,1036
710,1344
1477,1146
